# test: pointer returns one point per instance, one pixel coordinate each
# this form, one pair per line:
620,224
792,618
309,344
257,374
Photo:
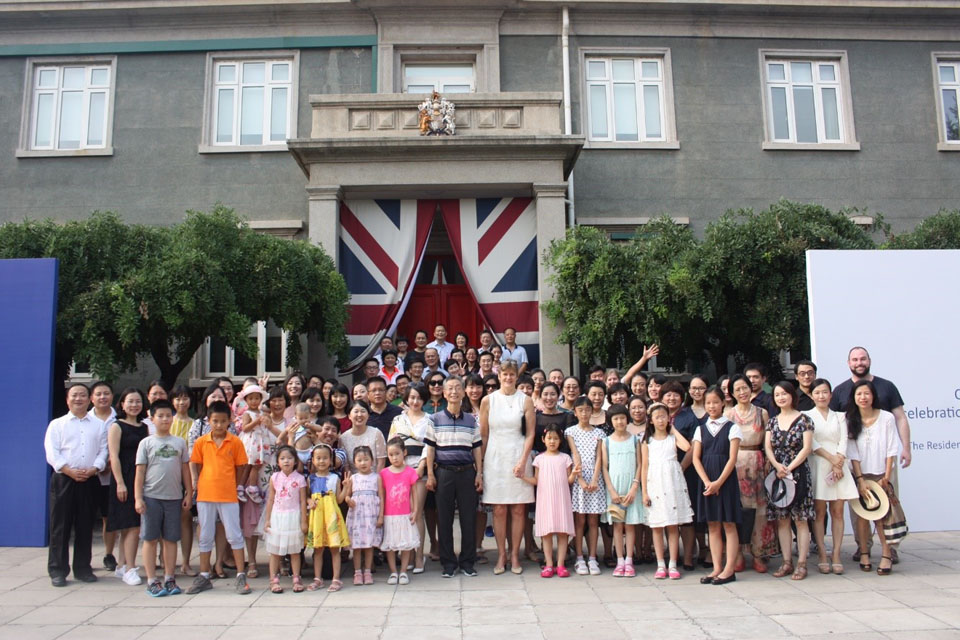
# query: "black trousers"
456,490
73,509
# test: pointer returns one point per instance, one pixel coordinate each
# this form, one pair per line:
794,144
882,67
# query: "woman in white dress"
507,426
832,482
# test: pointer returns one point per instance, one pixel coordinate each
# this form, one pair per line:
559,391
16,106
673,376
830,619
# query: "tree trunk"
170,371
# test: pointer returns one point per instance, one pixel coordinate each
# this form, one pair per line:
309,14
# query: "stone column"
550,202
323,224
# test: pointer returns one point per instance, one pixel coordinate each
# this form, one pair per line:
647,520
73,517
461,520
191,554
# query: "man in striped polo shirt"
454,471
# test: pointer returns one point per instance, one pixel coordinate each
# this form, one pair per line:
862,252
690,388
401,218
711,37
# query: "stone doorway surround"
506,145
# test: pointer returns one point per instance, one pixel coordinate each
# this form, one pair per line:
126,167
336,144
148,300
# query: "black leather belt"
448,467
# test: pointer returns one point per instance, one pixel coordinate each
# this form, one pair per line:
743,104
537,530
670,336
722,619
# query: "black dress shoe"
731,578
706,580
58,581
109,563
85,577
689,567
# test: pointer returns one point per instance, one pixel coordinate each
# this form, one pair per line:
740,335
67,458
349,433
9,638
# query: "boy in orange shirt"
218,457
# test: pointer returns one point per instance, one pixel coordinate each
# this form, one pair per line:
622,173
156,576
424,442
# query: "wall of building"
156,172
720,164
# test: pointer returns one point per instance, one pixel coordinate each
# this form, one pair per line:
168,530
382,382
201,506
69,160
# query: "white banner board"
904,308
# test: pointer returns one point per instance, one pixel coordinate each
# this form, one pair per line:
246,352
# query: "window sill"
948,146
827,146
64,153
633,145
251,148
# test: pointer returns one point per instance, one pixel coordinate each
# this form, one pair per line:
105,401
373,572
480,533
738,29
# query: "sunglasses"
436,383
492,386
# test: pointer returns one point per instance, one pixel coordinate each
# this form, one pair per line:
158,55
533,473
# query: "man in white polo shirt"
440,343
513,351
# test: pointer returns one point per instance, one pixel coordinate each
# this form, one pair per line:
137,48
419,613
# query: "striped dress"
554,506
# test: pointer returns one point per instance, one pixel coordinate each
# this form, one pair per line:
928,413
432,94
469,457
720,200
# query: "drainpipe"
567,112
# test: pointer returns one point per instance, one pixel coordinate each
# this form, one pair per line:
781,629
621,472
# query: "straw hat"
781,492
616,513
873,503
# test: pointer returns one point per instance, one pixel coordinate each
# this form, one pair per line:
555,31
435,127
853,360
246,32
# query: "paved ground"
920,600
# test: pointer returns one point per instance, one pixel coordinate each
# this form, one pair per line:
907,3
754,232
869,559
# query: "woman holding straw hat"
873,449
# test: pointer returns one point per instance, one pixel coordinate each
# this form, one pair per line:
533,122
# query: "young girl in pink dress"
286,518
400,512
554,472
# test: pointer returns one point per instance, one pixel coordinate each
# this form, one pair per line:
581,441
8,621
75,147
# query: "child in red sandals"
286,518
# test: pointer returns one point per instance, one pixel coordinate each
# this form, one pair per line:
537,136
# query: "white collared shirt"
79,443
106,473
517,354
714,427
444,350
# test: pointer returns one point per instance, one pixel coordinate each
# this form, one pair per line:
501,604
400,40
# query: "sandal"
885,571
759,565
800,573
837,568
252,571
297,584
865,566
275,584
316,585
823,567
189,571
784,569
335,585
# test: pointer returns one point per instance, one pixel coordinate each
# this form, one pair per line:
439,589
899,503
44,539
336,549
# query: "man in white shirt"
440,344
513,351
433,363
76,448
486,340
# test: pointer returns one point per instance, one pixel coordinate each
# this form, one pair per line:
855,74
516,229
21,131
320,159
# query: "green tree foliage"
740,291
941,231
130,290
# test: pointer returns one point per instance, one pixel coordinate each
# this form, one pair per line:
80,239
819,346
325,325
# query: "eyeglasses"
436,383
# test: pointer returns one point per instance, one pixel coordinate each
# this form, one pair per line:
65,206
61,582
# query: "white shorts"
229,513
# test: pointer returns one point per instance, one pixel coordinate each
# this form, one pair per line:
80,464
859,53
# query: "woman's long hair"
854,421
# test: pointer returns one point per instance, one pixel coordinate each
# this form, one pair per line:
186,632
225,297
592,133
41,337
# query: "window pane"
225,115
801,71
828,72
431,71
100,77
778,101
73,77
950,116
625,111
280,72
776,71
278,114
243,366
44,121
831,114
650,69
273,350
456,88
253,72
47,78
651,111
598,111
948,73
71,108
596,69
95,118
227,73
251,115
623,70
217,362
804,113
420,88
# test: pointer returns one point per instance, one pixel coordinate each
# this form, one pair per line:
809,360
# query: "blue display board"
28,318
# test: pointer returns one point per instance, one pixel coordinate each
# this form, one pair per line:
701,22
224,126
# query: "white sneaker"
581,567
404,578
594,568
119,571
392,579
131,577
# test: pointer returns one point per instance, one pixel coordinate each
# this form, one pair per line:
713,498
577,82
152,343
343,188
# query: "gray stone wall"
720,164
156,172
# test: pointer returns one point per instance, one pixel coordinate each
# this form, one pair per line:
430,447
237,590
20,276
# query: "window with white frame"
70,105
221,360
445,78
251,101
948,79
807,100
626,99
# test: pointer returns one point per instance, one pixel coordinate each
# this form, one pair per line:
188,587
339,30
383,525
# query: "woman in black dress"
123,439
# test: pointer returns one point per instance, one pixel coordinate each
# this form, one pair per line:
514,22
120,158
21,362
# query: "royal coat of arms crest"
437,116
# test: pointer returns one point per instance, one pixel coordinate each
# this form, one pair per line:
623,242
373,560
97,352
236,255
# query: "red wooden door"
441,297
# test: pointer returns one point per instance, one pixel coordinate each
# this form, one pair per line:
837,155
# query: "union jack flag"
382,243
495,242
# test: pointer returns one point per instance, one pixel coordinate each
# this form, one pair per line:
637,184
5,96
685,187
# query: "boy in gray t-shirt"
161,489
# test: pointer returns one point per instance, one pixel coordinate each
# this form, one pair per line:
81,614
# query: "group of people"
319,470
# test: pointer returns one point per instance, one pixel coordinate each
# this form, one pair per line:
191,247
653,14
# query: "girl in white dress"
832,481
507,426
664,487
